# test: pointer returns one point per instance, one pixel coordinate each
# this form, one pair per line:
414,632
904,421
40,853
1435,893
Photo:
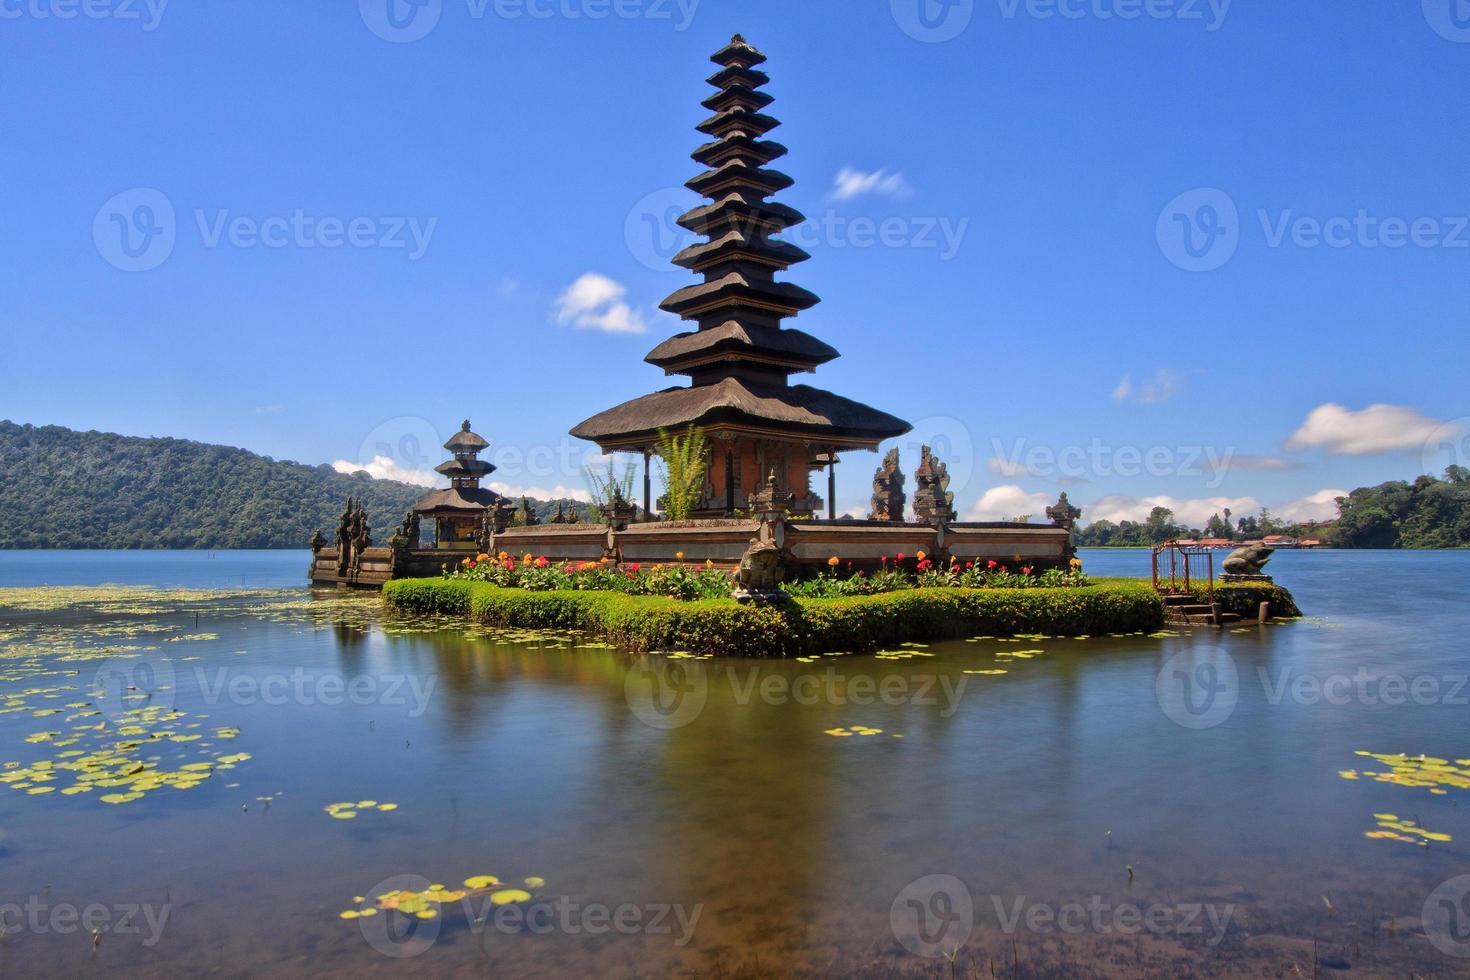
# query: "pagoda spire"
736,352
740,304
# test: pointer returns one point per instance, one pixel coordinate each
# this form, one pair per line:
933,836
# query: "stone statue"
318,542
1063,515
528,515
560,517
486,533
1249,560
344,540
362,537
617,513
888,495
502,516
761,573
933,502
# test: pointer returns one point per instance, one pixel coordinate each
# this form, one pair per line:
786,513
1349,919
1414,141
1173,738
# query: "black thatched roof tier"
751,151
738,121
736,340
458,498
738,75
739,52
735,290
737,96
732,211
465,441
789,411
737,176
461,469
738,244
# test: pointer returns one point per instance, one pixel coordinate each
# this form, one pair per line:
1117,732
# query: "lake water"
1115,806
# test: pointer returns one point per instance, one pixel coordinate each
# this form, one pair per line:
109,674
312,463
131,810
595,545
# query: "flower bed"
690,581
802,626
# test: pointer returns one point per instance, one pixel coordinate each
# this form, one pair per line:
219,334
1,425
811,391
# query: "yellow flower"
679,555
526,558
709,563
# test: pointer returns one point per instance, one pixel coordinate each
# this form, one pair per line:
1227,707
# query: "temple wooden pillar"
647,488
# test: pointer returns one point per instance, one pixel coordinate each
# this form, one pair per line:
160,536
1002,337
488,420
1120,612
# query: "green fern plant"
684,458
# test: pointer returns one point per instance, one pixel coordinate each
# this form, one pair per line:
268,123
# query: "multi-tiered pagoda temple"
740,357
459,511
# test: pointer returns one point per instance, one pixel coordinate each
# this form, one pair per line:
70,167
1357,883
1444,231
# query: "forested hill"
65,489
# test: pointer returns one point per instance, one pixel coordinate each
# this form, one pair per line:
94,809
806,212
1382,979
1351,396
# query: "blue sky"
1212,253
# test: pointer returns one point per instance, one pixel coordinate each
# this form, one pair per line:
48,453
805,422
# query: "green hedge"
802,626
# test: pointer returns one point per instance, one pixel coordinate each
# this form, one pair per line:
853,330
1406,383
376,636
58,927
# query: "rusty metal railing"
1177,566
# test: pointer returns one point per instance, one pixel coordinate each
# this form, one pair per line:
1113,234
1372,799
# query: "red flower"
632,566
542,562
990,564
969,565
1026,570
900,556
883,560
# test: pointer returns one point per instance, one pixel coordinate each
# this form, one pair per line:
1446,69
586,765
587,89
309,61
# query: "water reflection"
518,755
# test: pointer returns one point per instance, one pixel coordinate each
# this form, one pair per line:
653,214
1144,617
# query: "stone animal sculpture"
1247,561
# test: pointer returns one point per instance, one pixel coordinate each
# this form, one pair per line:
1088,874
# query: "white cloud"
269,409
1320,506
851,183
1005,502
1117,507
557,492
596,302
1375,429
385,468
1162,387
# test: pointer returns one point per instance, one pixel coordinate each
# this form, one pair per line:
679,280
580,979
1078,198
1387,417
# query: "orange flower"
920,555
832,562
679,555
479,558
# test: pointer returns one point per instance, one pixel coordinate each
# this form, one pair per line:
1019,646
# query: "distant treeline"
1428,513
65,489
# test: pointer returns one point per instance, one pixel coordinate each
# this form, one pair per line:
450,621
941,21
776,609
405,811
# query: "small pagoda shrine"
459,512
740,357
